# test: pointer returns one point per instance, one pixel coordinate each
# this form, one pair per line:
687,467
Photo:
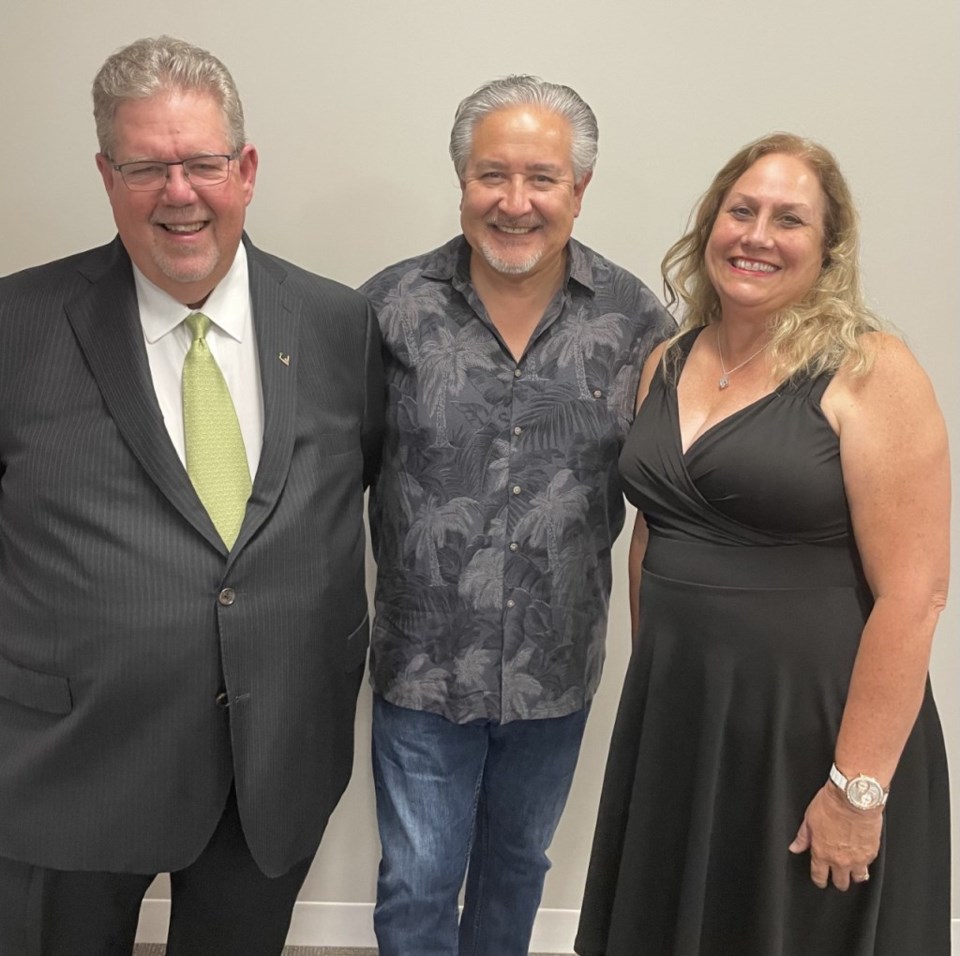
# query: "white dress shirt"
232,343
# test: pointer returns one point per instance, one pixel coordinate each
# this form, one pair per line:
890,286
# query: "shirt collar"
227,306
580,265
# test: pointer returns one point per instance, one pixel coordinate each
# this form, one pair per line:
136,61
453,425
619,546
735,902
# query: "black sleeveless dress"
752,605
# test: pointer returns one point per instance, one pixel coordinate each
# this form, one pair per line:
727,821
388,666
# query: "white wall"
350,104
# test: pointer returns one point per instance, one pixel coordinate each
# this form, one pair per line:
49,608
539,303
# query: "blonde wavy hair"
823,330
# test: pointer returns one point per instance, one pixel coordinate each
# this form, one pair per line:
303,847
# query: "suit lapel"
106,321
276,319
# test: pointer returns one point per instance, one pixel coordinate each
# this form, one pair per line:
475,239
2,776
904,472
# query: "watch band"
862,792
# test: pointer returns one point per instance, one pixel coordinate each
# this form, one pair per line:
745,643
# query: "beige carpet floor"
156,949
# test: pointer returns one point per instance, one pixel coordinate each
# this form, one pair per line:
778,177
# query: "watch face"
864,793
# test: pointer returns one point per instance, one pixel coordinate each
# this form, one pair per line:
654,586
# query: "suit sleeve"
372,435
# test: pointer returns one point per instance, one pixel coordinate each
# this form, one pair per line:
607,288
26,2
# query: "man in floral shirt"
513,355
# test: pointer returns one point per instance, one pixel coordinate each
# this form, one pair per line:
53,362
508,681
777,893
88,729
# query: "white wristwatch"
862,792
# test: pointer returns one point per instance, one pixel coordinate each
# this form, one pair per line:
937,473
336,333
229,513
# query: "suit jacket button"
222,699
227,596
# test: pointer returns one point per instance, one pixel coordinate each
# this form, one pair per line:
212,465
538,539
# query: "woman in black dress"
777,781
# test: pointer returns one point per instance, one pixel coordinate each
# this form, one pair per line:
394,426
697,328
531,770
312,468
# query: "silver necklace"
727,372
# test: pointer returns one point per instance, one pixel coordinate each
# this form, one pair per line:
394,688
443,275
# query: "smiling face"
766,247
182,238
519,196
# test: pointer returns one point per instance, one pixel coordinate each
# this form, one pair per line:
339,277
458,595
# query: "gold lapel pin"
284,358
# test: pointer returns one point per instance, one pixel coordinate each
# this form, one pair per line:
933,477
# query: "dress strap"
819,386
677,355
811,388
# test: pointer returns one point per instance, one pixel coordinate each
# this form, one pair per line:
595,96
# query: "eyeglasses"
197,170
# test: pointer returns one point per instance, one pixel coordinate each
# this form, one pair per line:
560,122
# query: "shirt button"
517,430
597,393
516,489
514,546
226,597
222,699
517,373
511,603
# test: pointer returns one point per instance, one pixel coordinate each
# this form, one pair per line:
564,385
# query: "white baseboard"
351,924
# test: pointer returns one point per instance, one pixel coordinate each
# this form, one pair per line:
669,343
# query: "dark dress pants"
222,903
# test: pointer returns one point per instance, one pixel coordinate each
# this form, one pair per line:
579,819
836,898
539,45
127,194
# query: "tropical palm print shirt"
499,497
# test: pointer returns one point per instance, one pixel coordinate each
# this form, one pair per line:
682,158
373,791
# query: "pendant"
724,382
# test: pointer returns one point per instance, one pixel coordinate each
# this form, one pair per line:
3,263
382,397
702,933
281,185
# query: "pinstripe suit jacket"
123,617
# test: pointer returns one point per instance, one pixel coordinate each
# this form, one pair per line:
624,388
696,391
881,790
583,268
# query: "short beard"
176,270
509,268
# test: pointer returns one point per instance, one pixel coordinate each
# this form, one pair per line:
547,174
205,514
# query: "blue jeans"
449,794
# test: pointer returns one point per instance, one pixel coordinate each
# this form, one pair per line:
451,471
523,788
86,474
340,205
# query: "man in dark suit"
183,620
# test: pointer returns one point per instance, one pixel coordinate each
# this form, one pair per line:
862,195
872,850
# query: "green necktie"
216,458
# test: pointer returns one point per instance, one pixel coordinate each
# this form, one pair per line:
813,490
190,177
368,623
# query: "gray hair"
161,64
525,90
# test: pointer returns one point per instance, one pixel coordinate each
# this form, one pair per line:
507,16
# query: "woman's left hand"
842,840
